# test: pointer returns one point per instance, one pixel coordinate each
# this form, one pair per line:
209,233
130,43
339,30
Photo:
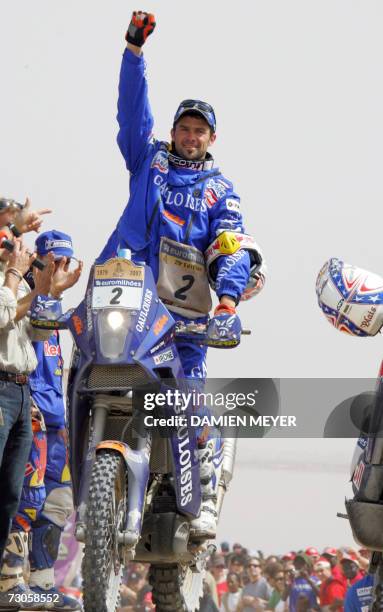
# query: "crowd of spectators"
239,580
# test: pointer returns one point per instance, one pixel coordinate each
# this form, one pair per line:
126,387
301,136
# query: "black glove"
140,27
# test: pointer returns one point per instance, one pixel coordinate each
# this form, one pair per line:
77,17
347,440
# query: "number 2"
118,293
180,293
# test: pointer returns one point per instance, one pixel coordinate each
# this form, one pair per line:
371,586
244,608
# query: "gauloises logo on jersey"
51,350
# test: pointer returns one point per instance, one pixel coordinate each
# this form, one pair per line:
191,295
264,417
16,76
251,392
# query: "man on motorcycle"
183,219
46,500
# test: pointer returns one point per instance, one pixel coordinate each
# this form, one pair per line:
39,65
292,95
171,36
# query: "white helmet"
228,243
351,298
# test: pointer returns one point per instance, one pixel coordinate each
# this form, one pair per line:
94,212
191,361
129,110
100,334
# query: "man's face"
236,566
300,564
349,569
192,137
233,583
254,570
323,573
218,571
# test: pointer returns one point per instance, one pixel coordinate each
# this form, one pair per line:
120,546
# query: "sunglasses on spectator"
253,565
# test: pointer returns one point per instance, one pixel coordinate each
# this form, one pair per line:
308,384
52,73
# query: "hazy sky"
298,95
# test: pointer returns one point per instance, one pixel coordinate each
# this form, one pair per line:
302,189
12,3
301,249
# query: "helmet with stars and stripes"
351,298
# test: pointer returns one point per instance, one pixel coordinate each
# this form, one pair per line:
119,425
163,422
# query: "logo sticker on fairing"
145,308
162,357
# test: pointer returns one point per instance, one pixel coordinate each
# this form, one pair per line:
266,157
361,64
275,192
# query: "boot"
14,593
43,554
205,526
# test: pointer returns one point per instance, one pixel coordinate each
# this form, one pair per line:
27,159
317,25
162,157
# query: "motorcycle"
352,300
135,491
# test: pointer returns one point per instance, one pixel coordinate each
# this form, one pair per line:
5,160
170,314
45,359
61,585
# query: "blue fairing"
147,338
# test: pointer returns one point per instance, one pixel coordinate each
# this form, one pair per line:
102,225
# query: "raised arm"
134,115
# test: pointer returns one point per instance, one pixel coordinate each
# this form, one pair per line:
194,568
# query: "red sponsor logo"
50,350
368,317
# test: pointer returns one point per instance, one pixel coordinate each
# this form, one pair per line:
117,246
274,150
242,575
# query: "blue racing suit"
185,205
46,500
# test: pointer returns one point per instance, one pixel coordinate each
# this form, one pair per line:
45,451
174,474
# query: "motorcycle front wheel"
176,588
102,566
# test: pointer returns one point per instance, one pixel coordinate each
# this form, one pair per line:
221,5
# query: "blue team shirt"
359,595
302,587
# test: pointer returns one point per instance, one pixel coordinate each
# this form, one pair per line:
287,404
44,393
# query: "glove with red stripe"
225,327
140,27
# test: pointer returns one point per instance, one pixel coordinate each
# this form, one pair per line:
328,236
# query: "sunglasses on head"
198,104
7,204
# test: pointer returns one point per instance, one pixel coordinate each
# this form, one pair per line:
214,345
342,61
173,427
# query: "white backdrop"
298,95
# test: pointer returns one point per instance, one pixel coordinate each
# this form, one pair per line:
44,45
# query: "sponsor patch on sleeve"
232,204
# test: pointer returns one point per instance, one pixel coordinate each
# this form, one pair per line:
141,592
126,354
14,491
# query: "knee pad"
58,506
45,544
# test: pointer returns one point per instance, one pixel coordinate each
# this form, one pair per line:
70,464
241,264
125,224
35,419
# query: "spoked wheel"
102,566
176,588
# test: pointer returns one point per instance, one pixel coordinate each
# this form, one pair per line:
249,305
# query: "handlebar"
197,333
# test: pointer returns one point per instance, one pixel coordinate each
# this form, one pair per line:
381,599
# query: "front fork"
227,469
137,467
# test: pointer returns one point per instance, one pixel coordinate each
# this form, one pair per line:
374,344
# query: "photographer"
303,587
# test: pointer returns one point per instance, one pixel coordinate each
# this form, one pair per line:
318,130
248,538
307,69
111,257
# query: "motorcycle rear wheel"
102,566
176,588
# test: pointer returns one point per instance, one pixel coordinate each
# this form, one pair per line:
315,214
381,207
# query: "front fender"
137,465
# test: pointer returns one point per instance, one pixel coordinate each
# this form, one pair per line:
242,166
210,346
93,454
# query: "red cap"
289,556
321,564
312,552
329,551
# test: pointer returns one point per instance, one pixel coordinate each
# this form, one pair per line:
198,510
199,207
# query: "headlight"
115,319
113,327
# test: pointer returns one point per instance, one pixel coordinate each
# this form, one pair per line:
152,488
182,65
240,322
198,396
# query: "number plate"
118,282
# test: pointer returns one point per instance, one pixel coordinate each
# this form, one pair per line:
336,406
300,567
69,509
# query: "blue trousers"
15,444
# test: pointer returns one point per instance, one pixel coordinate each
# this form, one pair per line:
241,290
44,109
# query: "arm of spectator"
18,264
311,582
63,278
337,604
247,600
8,305
43,279
260,604
28,220
363,562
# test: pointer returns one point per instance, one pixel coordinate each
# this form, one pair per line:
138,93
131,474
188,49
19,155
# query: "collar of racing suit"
191,164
